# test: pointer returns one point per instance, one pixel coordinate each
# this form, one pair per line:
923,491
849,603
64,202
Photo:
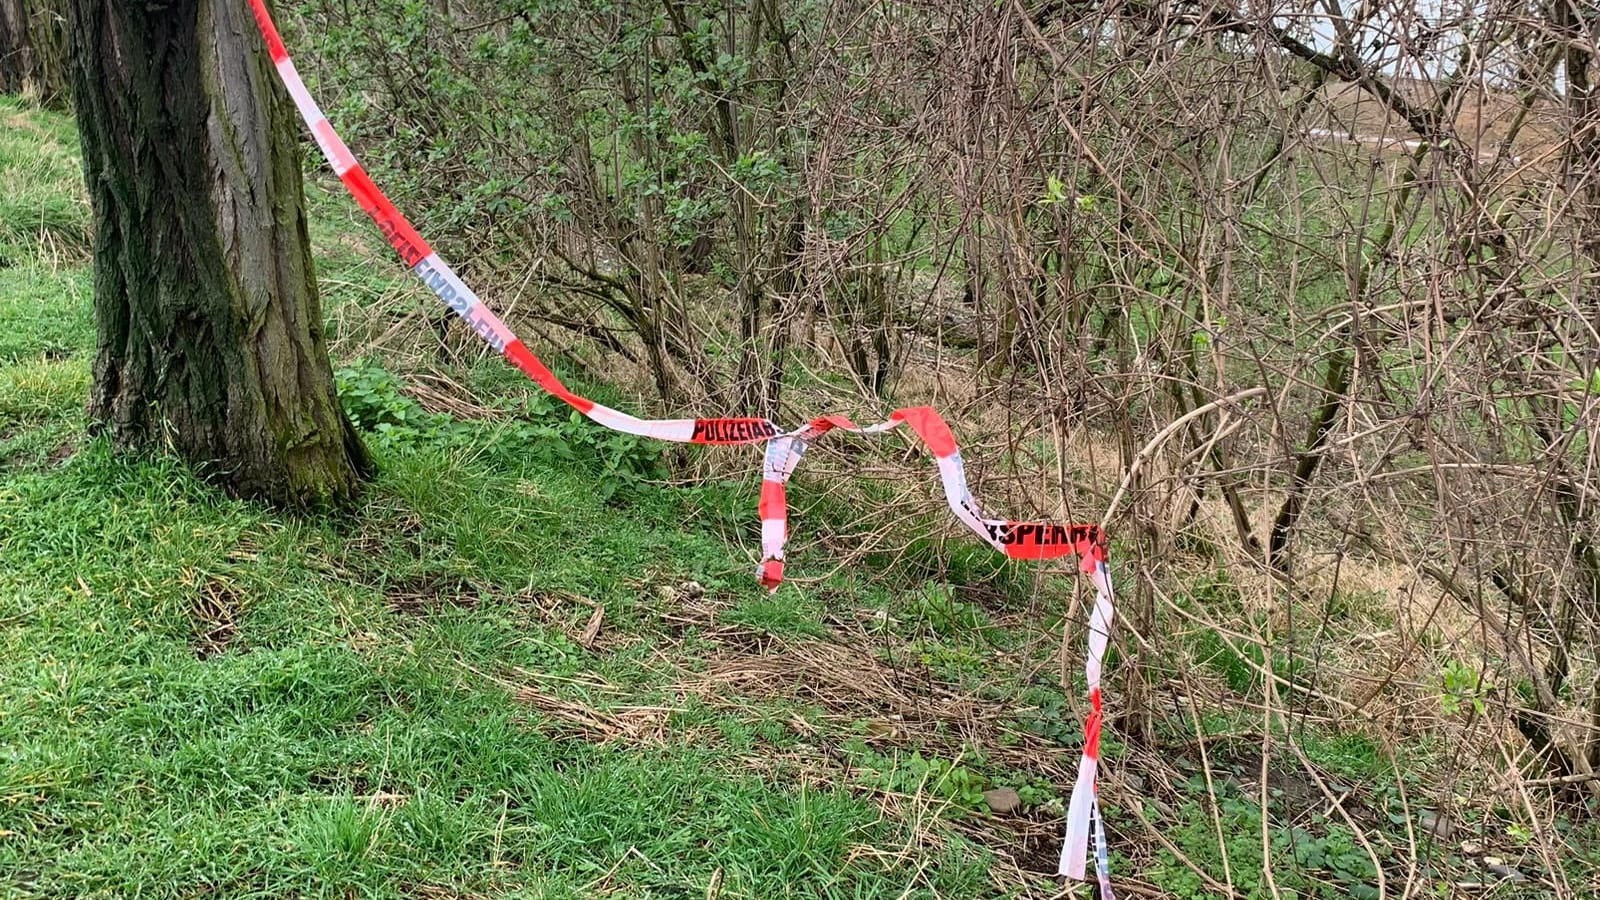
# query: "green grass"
336,741
42,205
46,311
199,695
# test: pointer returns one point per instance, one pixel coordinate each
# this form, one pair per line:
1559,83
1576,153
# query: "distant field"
1483,119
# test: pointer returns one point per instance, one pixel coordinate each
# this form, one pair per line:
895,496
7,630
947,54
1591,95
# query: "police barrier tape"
1017,540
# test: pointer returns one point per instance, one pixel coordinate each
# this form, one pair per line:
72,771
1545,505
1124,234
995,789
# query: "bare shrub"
1075,225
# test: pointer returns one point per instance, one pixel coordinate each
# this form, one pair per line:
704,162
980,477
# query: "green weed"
913,774
43,210
1322,860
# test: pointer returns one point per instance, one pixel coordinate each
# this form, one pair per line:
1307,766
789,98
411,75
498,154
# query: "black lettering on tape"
730,431
1039,534
405,248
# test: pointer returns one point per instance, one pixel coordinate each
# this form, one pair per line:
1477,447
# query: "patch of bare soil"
1034,841
214,614
373,543
421,595
63,452
1484,119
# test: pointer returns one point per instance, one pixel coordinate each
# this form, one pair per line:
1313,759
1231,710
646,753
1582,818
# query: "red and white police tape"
1018,540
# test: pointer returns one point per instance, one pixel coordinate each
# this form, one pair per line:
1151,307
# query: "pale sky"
1421,39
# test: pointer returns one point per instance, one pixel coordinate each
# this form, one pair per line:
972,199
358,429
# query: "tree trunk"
210,329
33,49
15,49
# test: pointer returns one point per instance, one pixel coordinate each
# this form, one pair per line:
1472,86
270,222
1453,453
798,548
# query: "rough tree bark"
33,49
210,328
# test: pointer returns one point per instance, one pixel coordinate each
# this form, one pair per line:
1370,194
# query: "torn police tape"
785,449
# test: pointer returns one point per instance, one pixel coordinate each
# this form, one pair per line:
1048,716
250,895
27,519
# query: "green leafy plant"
1461,685
553,431
1319,858
376,403
946,615
548,430
948,780
1044,712
1055,191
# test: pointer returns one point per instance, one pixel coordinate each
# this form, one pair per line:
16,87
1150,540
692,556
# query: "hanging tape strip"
785,449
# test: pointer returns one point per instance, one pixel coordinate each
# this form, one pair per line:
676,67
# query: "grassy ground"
526,666
513,671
